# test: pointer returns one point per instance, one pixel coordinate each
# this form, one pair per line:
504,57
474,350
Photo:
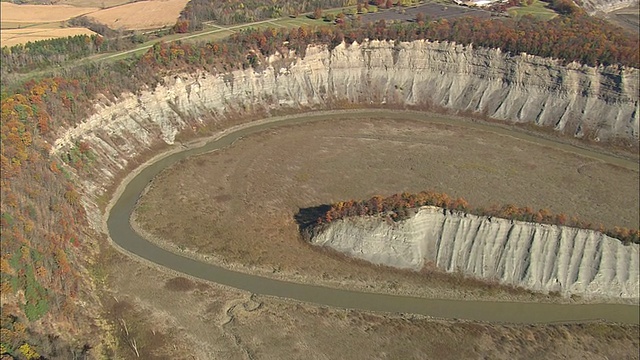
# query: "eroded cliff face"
518,88
593,6
534,256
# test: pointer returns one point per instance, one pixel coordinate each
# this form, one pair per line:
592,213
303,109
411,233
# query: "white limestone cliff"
534,256
521,88
514,88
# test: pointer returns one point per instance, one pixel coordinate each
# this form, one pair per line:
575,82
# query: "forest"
399,207
574,36
565,41
43,229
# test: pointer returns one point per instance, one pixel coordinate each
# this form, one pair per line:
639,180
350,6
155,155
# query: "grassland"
34,14
23,35
238,204
537,9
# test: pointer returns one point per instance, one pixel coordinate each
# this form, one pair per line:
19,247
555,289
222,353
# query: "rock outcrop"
534,256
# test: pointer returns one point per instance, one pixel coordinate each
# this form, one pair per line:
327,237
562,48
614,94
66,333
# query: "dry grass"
141,15
31,14
22,36
24,23
262,179
239,203
102,4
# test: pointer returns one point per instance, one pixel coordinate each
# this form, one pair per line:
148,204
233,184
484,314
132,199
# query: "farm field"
33,14
24,23
102,4
11,37
627,18
142,15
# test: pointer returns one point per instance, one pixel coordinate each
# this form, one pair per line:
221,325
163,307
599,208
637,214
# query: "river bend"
122,234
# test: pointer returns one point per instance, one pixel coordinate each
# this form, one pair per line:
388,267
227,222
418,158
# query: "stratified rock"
534,256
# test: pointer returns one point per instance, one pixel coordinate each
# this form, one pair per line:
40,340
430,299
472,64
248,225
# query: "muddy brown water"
127,239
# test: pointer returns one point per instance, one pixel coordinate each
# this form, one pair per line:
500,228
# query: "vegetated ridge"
399,207
536,256
65,140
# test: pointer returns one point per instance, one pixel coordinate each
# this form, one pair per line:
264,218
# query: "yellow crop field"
13,37
141,15
31,14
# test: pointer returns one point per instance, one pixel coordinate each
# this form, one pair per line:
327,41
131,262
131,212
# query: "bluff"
570,98
534,256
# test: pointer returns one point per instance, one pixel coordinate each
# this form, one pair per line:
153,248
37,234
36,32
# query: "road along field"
236,206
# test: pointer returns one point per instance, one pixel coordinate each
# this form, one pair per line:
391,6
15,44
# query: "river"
118,224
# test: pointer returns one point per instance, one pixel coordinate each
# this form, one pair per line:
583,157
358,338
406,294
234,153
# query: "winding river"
127,239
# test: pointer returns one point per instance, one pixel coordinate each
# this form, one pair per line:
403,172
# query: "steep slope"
534,256
519,88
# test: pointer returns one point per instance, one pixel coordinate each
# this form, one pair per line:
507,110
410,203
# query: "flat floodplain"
237,204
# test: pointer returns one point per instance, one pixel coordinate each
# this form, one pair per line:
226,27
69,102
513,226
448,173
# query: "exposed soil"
237,206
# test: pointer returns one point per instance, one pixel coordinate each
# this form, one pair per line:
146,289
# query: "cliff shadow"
307,217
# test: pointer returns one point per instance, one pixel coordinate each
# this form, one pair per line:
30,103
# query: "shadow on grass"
306,218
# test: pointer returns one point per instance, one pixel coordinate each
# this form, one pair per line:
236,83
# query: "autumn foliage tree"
41,218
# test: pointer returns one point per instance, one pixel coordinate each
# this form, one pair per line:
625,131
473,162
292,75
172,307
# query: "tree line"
230,12
399,207
580,39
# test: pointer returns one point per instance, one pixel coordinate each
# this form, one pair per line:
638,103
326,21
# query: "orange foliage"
400,206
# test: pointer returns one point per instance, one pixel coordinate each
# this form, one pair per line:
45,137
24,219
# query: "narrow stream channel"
125,237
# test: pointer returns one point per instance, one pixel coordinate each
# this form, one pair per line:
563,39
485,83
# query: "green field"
537,9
